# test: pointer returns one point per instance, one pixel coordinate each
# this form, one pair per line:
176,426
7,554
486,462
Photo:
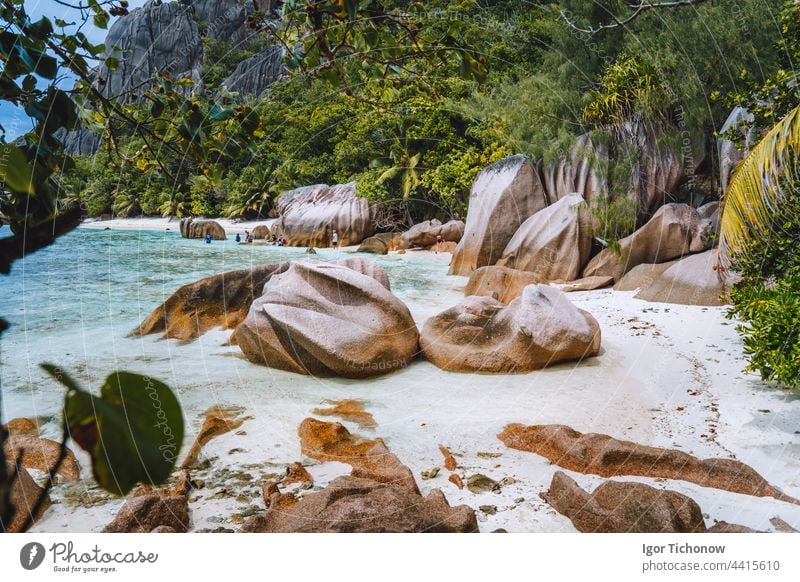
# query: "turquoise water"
75,303
92,275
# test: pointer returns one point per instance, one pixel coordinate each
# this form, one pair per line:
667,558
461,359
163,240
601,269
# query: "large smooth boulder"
353,504
424,234
672,232
539,328
309,215
261,232
740,121
382,243
579,172
499,283
503,196
693,280
327,319
366,267
199,228
584,284
624,507
555,243
217,301
642,276
33,452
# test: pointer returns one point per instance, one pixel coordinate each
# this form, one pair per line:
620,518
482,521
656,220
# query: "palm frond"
758,186
389,174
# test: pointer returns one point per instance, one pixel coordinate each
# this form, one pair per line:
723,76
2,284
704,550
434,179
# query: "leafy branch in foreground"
133,431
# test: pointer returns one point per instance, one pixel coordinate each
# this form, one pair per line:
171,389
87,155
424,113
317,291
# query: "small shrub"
770,311
767,299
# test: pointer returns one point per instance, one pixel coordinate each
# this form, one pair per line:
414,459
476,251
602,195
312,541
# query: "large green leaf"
15,171
133,431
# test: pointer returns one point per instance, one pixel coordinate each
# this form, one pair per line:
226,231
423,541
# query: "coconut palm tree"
759,184
404,168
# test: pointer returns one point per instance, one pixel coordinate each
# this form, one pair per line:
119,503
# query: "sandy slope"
653,357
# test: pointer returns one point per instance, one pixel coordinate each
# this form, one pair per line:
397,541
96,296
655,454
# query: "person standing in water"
438,243
335,239
208,239
238,238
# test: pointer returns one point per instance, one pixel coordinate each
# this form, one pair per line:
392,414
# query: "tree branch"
638,10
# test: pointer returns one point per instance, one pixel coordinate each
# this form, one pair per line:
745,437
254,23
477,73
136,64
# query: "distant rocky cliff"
167,37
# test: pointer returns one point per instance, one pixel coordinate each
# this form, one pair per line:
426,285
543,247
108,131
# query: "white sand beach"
159,223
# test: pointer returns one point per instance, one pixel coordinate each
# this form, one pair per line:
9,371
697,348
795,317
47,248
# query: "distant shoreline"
160,224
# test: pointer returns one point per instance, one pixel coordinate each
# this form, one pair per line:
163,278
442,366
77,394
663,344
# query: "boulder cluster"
340,319
523,228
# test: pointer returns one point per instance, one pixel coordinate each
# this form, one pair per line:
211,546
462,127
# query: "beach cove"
667,376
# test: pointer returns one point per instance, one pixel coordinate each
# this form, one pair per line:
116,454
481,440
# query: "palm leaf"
757,188
389,174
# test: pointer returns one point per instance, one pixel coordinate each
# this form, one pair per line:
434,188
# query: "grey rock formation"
555,243
661,166
693,280
225,19
539,328
730,154
160,37
253,76
309,215
579,172
424,233
80,142
672,232
503,196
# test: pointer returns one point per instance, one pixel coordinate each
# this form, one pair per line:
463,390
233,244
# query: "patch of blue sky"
13,119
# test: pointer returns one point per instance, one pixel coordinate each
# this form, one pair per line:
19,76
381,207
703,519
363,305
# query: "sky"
14,120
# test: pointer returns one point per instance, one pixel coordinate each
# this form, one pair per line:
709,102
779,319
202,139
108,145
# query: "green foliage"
767,299
764,223
373,46
451,180
770,332
770,99
220,56
133,431
613,218
628,87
